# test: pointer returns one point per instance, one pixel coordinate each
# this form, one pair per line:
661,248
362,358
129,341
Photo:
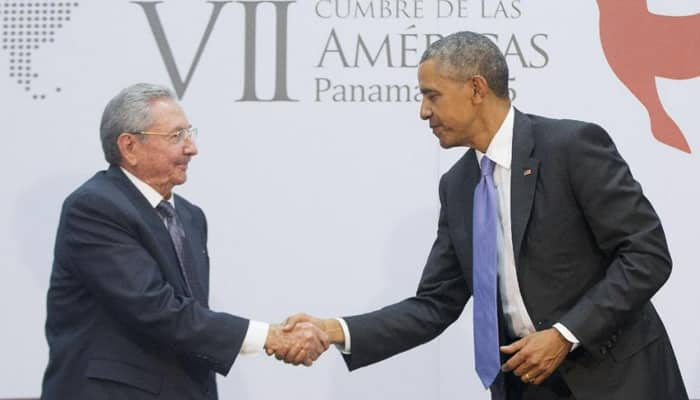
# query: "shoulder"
191,207
459,170
102,197
99,189
563,134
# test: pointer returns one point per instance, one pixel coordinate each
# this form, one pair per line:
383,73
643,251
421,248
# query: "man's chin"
180,178
445,144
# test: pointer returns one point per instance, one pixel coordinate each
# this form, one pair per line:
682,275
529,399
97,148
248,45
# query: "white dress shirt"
518,321
500,151
256,335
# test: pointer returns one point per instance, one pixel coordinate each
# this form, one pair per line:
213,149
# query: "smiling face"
448,105
158,160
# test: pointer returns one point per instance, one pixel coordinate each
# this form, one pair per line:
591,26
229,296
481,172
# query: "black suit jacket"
119,323
590,252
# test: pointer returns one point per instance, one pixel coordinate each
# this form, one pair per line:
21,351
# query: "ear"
480,88
128,148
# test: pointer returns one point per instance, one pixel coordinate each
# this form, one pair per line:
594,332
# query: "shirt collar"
500,149
152,195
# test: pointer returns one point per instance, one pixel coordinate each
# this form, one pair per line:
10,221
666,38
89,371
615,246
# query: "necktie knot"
487,166
165,209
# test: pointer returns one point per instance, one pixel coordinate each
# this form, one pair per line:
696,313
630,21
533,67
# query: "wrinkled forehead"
167,113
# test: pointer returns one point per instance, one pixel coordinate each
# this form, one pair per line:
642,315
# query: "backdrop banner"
318,178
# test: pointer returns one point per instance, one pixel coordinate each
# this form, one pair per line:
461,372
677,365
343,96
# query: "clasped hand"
297,343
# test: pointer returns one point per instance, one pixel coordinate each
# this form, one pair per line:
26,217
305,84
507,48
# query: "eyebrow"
425,91
179,128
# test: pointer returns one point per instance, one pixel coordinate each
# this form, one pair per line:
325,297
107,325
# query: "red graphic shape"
640,46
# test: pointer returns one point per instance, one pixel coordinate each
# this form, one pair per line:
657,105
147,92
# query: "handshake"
301,339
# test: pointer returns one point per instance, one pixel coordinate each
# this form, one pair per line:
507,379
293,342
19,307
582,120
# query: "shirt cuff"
346,332
567,335
255,337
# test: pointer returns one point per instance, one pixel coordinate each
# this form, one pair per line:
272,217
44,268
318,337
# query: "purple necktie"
486,352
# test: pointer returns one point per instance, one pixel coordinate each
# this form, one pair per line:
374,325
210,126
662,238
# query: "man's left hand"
535,357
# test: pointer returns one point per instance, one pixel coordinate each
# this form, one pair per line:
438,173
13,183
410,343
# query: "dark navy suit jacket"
119,323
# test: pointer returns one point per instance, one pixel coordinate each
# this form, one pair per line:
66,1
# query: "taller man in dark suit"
128,314
543,224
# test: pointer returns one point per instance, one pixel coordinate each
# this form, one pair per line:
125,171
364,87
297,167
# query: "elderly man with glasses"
127,307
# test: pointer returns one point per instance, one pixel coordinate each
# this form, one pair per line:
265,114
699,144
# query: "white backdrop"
326,204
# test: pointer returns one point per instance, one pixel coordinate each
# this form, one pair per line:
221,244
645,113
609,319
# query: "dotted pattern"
27,26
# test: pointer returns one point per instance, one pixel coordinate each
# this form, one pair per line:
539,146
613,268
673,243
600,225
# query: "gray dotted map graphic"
28,26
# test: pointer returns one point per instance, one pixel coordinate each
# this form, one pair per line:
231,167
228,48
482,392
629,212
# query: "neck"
163,189
491,118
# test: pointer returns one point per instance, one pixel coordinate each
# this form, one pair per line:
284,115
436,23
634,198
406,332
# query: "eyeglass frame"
190,133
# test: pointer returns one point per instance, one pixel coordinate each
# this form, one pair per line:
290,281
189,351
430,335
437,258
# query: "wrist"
272,334
334,331
564,341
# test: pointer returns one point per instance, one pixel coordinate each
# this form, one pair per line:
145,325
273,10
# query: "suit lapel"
192,242
524,172
472,175
162,250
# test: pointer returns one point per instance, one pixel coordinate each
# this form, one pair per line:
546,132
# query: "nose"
190,147
425,111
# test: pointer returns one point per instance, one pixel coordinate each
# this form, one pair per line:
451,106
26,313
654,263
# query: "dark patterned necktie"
486,352
184,256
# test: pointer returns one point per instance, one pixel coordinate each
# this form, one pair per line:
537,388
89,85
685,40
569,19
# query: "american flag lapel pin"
527,172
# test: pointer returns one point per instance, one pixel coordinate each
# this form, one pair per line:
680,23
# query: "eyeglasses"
174,137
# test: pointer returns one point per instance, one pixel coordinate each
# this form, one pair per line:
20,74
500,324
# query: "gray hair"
129,111
465,54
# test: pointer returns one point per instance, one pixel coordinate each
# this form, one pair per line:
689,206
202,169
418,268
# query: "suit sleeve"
109,257
439,300
625,228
